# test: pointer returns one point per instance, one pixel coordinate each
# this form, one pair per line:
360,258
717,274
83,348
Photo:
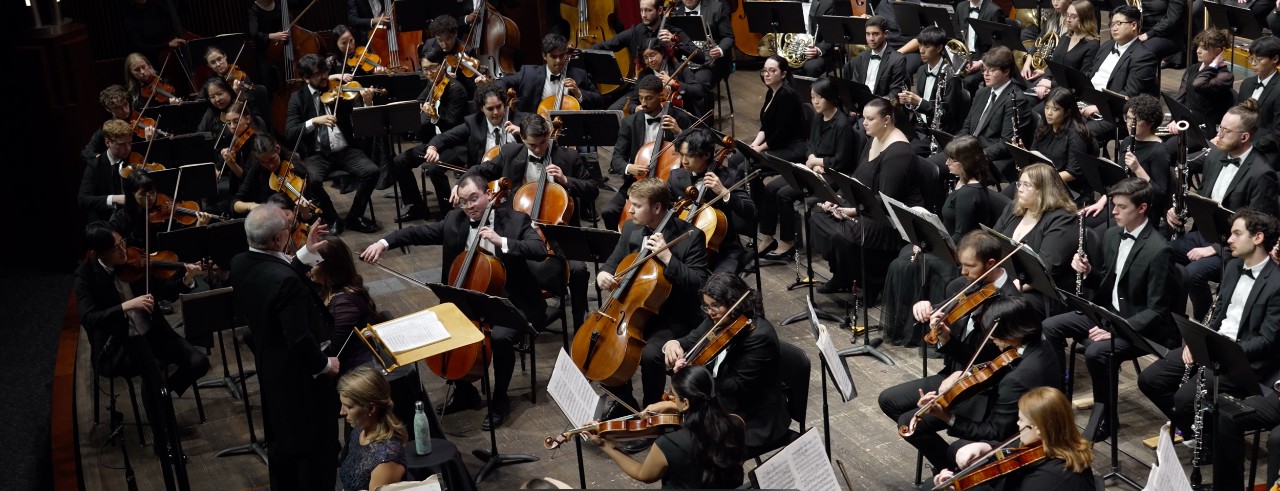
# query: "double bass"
476,270
592,22
285,54
495,39
395,47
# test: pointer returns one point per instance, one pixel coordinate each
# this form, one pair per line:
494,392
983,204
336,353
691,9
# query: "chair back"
932,188
796,370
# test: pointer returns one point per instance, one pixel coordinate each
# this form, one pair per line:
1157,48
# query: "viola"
622,429
978,473
460,63
183,212
141,124
977,378
347,91
546,201
162,265
726,329
235,74
962,307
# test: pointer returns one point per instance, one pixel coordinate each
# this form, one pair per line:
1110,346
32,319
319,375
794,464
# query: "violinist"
142,80
747,372
700,169
140,207
235,77
115,101
241,126
347,46
101,187
512,239
533,83
705,453
327,143
1044,419
659,60
979,254
641,127
443,101
715,62
636,38
444,36
1015,326
265,157
685,267
220,97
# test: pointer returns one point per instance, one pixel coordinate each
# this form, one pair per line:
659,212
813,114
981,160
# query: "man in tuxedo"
533,83
327,142
635,38
1247,312
444,36
291,328
1123,65
983,10
115,100
1236,177
1134,281
991,116
101,187
880,68
716,61
510,238
1264,54
824,54
1015,325
978,254
928,91
440,115
684,266
697,149
641,127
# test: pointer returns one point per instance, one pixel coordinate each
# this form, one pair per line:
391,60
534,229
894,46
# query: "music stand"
486,309
999,33
179,119
593,245
943,137
857,94
1026,265
840,30
1100,173
1236,20
1225,356
869,207
412,15
916,228
778,17
176,151
1023,158
1110,105
399,86
940,15
587,128
818,331
1196,128
601,64
218,242
691,26
1213,221
386,121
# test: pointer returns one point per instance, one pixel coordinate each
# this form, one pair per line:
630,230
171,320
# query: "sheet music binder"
462,332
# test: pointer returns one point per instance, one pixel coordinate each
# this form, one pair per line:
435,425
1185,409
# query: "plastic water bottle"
421,430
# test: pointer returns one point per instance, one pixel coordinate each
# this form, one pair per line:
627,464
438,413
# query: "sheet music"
801,465
412,331
1167,473
839,371
571,390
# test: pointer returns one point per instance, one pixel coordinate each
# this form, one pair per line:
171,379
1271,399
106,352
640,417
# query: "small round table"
443,459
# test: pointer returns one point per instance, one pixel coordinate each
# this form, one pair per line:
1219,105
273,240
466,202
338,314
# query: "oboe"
1083,255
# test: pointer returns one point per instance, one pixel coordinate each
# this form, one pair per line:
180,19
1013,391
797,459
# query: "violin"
137,161
161,265
962,305
1012,460
183,212
546,201
634,427
978,378
365,59
347,91
235,74
286,180
716,338
141,124
460,63
158,90
238,143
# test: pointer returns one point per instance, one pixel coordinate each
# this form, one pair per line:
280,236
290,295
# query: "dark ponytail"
718,437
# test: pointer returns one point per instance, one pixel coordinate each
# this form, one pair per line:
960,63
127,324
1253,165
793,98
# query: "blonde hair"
132,84
652,190
1087,19
114,129
1049,411
365,387
1051,192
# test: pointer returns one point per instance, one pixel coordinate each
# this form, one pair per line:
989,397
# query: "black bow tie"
1115,51
536,160
875,57
1128,236
930,74
474,223
1231,161
1247,272
652,120
556,78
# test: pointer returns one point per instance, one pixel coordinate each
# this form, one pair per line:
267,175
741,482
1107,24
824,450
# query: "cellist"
533,83
512,240
748,369
699,168
1015,325
641,127
685,267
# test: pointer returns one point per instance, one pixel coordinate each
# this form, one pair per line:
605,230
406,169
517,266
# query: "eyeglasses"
473,199
1224,129
1024,185
1119,22
706,309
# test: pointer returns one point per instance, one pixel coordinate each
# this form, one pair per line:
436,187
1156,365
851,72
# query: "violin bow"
173,201
698,346
977,463
971,284
727,191
640,260
298,17
145,105
616,399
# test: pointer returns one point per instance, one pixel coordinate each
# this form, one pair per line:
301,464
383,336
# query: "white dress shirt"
1226,175
549,88
1262,84
1122,257
336,141
972,36
489,140
873,67
1103,76
1235,310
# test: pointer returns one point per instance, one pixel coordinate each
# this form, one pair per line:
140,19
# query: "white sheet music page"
572,391
839,373
1167,473
412,331
801,465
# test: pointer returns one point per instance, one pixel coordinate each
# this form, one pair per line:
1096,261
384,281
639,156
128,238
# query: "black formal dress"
1049,474
785,128
322,155
1054,238
1265,140
289,323
838,144
683,469
529,83
1061,148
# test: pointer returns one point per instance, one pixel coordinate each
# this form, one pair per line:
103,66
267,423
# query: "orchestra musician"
1229,442
706,452
115,101
1247,312
978,255
375,454
716,62
991,116
239,120
533,83
1236,177
781,134
1206,87
327,142
747,373
923,98
1145,157
658,59
1123,65
1044,418
265,24
637,38
444,36
131,219
1053,20
255,188
510,238
220,98
138,73
1136,280
1077,45
883,167
1264,55
881,69
363,15
699,169
685,266
978,46
1015,325
1061,137
101,187
1042,216
342,289
347,45
290,327
641,127
1164,30
825,53
217,61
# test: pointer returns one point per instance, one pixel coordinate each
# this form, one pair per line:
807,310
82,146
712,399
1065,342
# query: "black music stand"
1196,127
601,64
1226,357
176,151
1118,326
779,17
399,86
828,368
587,128
192,182
869,206
943,137
843,30
593,245
1023,158
920,231
942,16
414,15
908,17
690,28
856,94
386,121
1213,221
1110,104
999,33
218,242
1100,174
486,309
1236,20
179,119
1027,266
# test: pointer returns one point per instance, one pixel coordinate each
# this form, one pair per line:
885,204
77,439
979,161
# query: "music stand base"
256,448
804,315
230,383
1115,474
495,460
866,349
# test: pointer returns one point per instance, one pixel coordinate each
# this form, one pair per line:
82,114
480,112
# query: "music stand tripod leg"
1113,413
869,346
492,459
808,252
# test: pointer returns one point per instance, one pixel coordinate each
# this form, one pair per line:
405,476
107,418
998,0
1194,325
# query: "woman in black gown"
1063,136
1042,216
844,236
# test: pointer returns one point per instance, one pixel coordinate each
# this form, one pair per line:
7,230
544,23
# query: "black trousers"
1098,356
1229,441
653,366
1199,272
1162,384
402,169
899,403
353,161
777,211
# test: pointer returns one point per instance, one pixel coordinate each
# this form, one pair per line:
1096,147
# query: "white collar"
1268,80
1138,231
1243,155
1122,47
277,254
1257,268
934,68
997,91
1000,280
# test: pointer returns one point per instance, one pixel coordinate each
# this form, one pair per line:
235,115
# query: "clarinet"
1083,256
940,91
1013,118
1202,409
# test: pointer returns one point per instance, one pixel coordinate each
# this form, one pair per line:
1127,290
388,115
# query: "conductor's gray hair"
263,223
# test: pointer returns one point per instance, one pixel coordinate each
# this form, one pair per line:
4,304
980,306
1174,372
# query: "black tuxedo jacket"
998,128
1260,321
289,322
1134,73
715,14
1037,367
687,271
1145,288
523,244
819,8
529,80
453,106
635,38
103,318
958,350
1165,19
100,179
360,15
631,133
302,107
738,212
1266,139
891,78
1254,185
987,11
473,132
956,100
749,381
513,161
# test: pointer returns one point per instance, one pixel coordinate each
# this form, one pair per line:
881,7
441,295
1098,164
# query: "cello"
560,101
492,153
300,42
546,201
476,270
711,221
608,345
